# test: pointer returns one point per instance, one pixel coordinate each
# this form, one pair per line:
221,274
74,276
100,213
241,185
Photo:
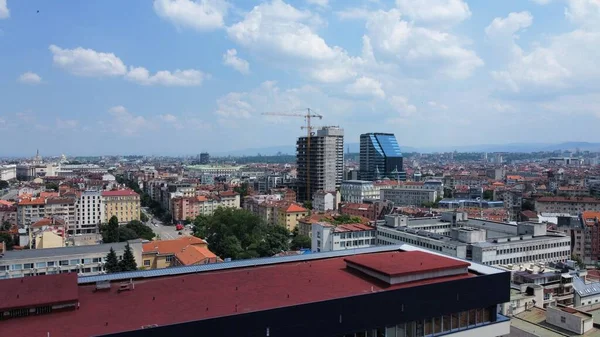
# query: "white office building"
402,196
356,191
327,237
90,212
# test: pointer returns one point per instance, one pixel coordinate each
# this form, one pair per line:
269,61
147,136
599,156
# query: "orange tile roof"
589,217
191,255
27,202
295,208
119,193
6,203
48,194
172,246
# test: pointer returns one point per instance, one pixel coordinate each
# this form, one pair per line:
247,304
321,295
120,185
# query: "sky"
179,77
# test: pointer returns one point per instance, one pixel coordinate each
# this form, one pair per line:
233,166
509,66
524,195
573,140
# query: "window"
16,267
147,263
97,259
40,265
50,263
563,319
169,258
64,262
28,266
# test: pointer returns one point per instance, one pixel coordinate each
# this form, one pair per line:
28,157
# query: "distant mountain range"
354,148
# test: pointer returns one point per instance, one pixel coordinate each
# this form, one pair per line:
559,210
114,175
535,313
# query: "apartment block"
402,196
327,237
356,191
184,251
570,205
90,212
124,204
184,208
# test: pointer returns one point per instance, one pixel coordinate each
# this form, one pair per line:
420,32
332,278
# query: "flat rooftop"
405,263
210,294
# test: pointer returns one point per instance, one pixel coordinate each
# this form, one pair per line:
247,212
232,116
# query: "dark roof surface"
28,292
403,263
192,297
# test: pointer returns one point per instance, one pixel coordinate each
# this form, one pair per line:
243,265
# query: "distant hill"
511,147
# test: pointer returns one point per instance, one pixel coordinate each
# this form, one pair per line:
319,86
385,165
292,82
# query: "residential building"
402,196
323,292
573,191
84,260
90,212
320,166
204,158
8,213
380,157
571,205
325,201
30,211
184,208
466,203
327,237
288,214
124,204
8,172
356,191
365,210
184,251
558,286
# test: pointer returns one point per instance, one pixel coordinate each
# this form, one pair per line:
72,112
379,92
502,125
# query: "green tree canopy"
301,241
3,184
52,186
8,240
239,234
110,231
528,205
346,219
128,262
143,217
141,230
126,234
488,195
112,263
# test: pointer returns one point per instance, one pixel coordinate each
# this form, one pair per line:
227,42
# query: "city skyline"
161,80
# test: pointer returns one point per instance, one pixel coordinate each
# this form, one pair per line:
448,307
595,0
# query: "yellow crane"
307,115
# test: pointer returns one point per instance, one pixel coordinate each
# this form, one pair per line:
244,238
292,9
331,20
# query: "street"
10,194
162,231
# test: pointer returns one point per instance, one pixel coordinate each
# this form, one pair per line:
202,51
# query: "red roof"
118,193
28,292
192,297
404,263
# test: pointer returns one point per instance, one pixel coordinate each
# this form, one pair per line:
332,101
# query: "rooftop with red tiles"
193,297
119,193
38,291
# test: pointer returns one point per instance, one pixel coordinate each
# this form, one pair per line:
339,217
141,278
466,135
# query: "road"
11,194
162,231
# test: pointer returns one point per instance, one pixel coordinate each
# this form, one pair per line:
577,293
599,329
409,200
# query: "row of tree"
240,234
112,232
127,263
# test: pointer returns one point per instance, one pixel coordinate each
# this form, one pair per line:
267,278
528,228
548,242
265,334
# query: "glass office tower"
380,157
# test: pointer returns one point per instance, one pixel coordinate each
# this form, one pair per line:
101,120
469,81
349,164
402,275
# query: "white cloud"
234,105
502,107
509,26
181,78
201,15
66,123
231,59
437,105
30,78
87,62
366,86
584,12
168,118
419,47
322,3
401,105
353,13
542,2
125,123
4,11
444,12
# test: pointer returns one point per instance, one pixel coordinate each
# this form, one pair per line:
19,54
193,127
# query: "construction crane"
309,131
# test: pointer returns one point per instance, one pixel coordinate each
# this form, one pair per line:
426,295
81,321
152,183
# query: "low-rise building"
184,251
571,205
365,210
84,260
402,196
327,237
356,191
325,201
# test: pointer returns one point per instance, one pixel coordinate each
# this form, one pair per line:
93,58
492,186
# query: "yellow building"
185,251
288,214
124,204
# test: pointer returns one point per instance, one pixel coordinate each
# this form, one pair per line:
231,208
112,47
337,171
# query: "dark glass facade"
380,157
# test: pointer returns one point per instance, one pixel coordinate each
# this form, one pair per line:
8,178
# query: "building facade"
402,196
571,205
124,204
90,212
356,191
327,237
380,157
321,166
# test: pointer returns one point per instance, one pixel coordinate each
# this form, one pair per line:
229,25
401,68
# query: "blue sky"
182,76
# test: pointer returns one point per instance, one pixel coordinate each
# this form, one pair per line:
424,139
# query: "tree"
240,234
308,204
140,230
112,263
528,205
126,234
488,195
8,240
167,218
128,262
5,226
3,184
301,241
578,260
110,231
143,217
51,186
448,192
346,219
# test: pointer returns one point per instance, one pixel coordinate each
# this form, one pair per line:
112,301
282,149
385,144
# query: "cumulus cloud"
445,12
584,12
201,15
428,49
182,78
168,118
231,59
542,2
401,105
322,3
509,26
91,63
366,86
30,78
87,62
437,105
66,123
4,11
125,123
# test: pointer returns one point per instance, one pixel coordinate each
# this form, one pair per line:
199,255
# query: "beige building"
124,204
288,215
184,251
570,205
